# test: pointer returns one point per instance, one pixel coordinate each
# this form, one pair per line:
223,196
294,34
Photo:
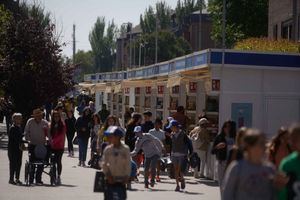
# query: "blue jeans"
83,145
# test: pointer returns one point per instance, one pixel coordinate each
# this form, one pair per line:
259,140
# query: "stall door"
281,112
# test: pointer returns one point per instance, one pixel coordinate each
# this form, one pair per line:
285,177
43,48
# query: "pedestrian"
237,151
160,134
180,149
14,150
36,132
290,166
95,128
127,114
168,140
101,139
279,147
57,143
92,106
61,110
130,137
181,118
201,139
103,113
251,178
152,148
116,165
82,127
222,144
148,124
70,126
81,107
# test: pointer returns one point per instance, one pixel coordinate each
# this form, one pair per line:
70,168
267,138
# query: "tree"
187,7
244,19
161,16
103,44
169,47
84,61
31,63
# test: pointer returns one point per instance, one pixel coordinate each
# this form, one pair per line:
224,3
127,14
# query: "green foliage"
103,44
169,47
264,44
32,68
84,61
244,19
187,7
162,17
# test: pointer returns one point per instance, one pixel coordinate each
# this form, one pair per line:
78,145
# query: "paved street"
78,184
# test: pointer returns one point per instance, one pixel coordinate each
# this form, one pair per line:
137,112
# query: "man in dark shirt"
148,124
103,113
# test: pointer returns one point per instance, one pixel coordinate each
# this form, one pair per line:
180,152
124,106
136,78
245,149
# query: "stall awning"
173,81
117,88
100,87
137,83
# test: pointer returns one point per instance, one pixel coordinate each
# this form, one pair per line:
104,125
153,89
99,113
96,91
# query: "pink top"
58,139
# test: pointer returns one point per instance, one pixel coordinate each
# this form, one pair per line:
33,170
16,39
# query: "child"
116,164
291,167
251,178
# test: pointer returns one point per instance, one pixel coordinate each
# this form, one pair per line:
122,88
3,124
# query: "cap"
173,123
203,121
114,130
137,129
170,119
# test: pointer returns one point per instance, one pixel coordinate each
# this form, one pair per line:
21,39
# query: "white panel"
281,112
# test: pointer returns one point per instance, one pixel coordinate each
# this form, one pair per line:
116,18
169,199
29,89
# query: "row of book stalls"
254,89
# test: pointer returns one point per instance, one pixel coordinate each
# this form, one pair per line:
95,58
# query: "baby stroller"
43,157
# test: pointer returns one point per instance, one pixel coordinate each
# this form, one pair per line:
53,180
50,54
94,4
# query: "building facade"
284,19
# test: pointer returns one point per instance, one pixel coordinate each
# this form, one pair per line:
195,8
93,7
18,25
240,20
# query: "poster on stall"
241,113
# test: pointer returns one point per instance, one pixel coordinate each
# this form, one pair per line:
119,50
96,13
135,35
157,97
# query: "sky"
84,13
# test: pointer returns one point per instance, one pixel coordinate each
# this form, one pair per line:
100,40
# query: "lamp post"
129,25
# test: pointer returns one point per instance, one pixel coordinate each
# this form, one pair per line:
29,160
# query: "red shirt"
58,139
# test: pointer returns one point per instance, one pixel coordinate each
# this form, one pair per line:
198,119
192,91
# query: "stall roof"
202,60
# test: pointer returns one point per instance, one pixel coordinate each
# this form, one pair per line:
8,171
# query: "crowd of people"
248,165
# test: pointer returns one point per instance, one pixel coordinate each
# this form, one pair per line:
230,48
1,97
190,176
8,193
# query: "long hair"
232,130
98,118
134,119
55,126
106,125
276,141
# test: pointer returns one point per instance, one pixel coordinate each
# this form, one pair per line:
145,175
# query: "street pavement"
77,183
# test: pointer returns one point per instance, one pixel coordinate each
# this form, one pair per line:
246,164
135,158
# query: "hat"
173,123
137,129
37,112
170,119
203,121
114,130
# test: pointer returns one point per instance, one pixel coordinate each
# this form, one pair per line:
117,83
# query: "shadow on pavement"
209,183
192,193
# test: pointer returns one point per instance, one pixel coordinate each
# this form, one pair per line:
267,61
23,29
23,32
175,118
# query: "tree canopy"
244,19
32,68
103,43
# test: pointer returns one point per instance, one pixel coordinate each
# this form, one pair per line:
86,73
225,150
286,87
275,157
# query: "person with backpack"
201,139
152,148
181,146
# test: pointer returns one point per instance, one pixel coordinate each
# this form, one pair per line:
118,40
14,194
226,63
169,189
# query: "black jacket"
83,123
15,136
147,126
70,124
221,154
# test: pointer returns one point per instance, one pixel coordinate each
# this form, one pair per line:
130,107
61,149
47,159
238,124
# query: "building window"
275,32
286,29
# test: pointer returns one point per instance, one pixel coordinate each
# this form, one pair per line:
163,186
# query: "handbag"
75,141
99,183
